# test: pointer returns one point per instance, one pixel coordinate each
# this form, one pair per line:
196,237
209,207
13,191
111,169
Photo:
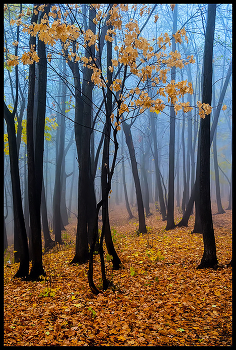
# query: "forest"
117,209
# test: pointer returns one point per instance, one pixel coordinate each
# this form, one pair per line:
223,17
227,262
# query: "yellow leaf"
217,293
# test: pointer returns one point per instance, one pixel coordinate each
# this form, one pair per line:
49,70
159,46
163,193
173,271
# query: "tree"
170,204
19,223
189,207
60,151
20,237
136,61
124,183
209,258
35,149
129,141
157,172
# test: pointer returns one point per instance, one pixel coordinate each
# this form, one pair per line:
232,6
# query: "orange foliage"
157,298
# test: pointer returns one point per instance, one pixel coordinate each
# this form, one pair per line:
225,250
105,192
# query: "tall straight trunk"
230,194
170,203
72,185
189,142
177,169
5,234
124,183
48,242
216,167
129,142
145,182
26,203
209,258
217,178
58,183
64,214
19,223
83,112
184,166
197,223
35,150
157,169
187,213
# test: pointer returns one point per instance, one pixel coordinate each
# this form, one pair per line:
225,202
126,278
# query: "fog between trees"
105,95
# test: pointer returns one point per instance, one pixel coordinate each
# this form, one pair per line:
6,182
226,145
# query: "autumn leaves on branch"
132,50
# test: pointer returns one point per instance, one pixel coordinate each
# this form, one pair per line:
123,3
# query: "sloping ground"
157,298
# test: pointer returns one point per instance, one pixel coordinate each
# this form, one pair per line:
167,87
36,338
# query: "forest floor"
158,297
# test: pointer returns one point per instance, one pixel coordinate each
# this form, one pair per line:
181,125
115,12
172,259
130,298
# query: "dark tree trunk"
170,204
48,242
145,189
184,166
106,174
19,223
209,258
72,186
124,183
57,227
129,142
5,235
35,151
83,136
217,178
188,211
230,194
178,170
216,167
158,174
197,224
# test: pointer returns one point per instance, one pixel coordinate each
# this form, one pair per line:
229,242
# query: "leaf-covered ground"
157,298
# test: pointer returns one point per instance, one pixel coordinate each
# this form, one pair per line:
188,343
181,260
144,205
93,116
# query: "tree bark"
124,183
209,258
35,151
48,242
19,223
129,142
158,175
58,183
170,204
187,213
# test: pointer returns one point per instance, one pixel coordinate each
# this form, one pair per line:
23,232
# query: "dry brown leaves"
157,298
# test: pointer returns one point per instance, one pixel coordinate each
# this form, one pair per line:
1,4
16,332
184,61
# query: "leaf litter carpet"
157,298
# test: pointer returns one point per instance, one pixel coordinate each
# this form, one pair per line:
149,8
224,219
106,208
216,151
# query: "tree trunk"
82,136
124,183
145,182
170,204
129,142
209,258
158,175
187,213
48,242
217,178
35,156
106,174
58,183
19,224
184,166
